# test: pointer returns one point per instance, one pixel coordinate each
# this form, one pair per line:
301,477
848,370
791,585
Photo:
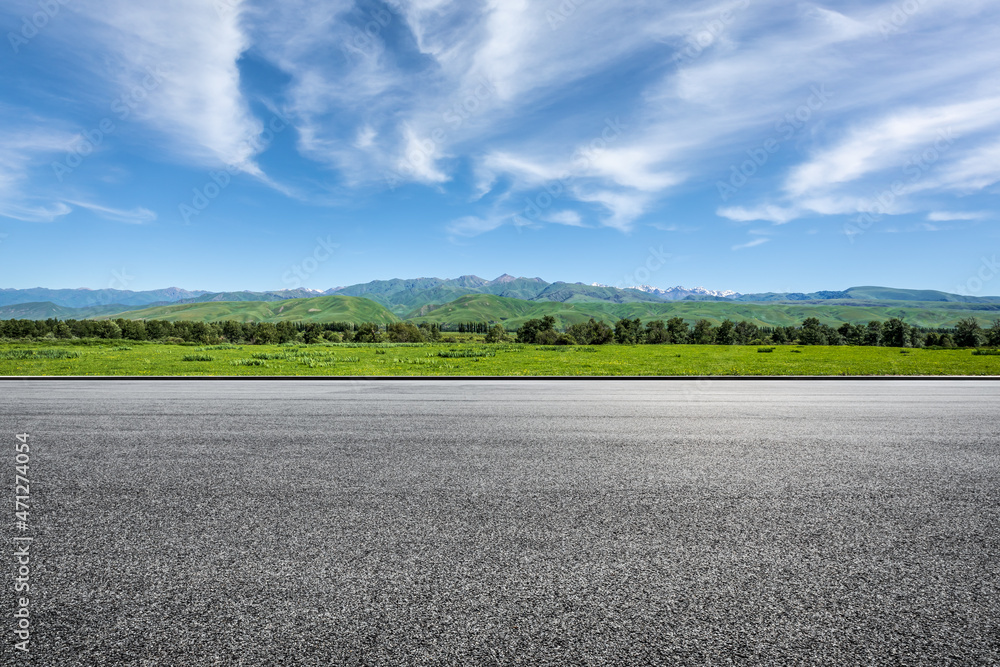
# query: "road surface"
505,522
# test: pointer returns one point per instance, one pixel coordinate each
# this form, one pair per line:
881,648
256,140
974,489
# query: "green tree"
404,332
368,332
678,330
896,333
591,333
832,336
232,331
704,333
133,329
529,331
287,332
432,331
724,335
873,334
265,333
780,336
853,334
745,332
497,334
968,333
656,333
313,333
628,332
812,332
200,332
993,335
158,329
110,329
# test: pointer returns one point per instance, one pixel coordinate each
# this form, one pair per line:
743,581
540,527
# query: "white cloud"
568,218
766,213
34,213
173,66
425,89
473,226
419,159
622,208
23,149
751,244
947,216
891,142
135,216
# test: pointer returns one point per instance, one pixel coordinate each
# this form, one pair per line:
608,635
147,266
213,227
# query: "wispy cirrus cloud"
594,118
948,216
26,149
134,216
172,68
751,244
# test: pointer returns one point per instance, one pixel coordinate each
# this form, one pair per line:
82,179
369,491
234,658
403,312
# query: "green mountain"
46,309
405,296
317,309
251,296
514,312
86,298
871,295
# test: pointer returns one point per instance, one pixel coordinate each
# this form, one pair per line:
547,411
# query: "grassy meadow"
83,358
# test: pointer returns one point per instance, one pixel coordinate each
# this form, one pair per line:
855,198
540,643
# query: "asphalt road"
535,523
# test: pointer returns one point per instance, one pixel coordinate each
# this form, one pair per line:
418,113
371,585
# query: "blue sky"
750,145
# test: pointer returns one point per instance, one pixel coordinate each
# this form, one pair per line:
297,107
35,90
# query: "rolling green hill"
892,294
46,309
317,309
514,312
251,296
405,296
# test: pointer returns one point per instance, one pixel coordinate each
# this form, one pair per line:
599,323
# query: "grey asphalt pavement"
505,522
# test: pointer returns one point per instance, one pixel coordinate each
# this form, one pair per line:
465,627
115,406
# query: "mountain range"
506,298
404,295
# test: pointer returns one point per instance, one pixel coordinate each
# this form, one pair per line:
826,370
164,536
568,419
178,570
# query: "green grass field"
469,359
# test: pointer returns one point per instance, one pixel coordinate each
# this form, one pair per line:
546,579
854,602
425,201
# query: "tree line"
891,333
228,331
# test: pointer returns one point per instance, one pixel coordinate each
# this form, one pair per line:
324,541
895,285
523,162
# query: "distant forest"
892,333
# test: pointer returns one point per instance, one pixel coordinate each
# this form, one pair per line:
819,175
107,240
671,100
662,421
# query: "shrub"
249,362
466,354
20,355
198,357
